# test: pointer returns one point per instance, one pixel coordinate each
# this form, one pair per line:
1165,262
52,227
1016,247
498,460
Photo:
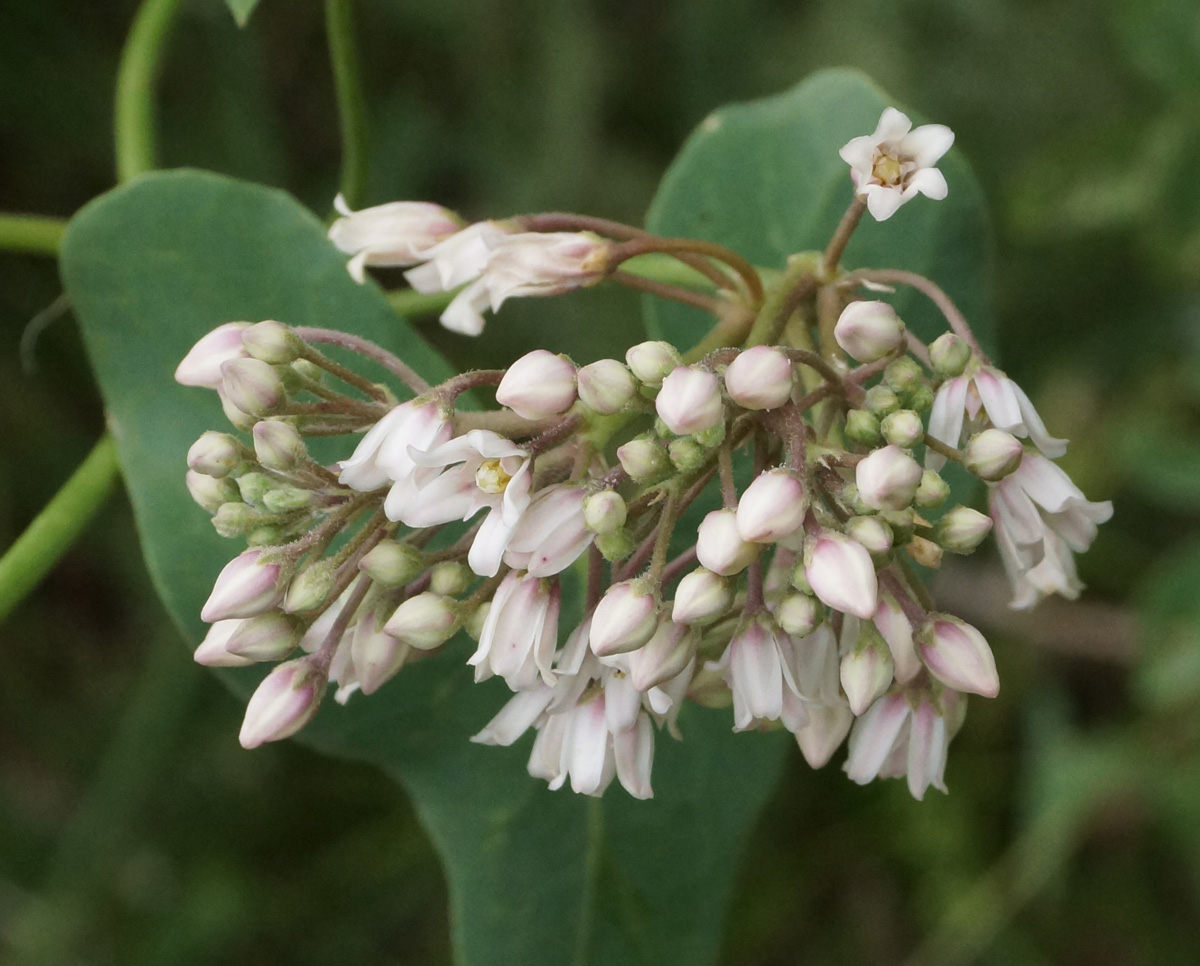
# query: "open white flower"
551,534
519,635
892,165
479,470
895,739
397,234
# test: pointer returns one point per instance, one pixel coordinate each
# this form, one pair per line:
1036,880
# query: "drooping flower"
895,738
758,669
891,165
519,636
397,234
551,533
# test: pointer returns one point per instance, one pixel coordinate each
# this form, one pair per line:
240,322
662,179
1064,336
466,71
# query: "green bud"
392,564
920,398
902,522
903,375
278,445
236,518
686,454
712,437
254,486
285,498
949,355
932,491
862,427
310,587
644,459
449,578
881,400
872,532
799,614
604,511
268,637
265,537
799,579
902,428
476,619
962,529
616,545
308,370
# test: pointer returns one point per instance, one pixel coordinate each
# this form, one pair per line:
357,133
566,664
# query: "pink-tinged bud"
644,459
278,445
828,725
625,619
376,655
268,637
214,649
272,342
897,631
720,547
869,330
690,401
760,378
249,585
701,598
992,454
958,656
214,454
772,507
866,672
604,511
888,479
798,614
202,365
949,355
841,573
425,621
538,385
651,361
962,529
209,492
872,532
666,654
606,386
932,491
252,386
284,703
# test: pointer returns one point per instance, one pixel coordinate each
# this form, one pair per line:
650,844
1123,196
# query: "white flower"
758,669
397,234
893,738
480,470
459,259
890,166
382,455
1040,518
1002,400
520,633
552,532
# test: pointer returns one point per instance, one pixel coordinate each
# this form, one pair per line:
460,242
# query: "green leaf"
765,179
536,877
241,10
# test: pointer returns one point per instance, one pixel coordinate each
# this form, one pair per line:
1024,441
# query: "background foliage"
132,827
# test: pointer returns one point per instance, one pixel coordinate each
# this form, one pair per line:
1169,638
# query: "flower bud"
690,401
662,657
903,523
644,459
949,355
897,632
881,401
284,703
375,654
772,507
992,454
538,385
310,587
272,342
253,487
651,361
604,511
265,536
449,578
235,519
615,545
799,579
828,725
920,398
887,479
687,454
209,492
214,649
285,498
237,418
903,375
932,490
268,637
606,386
798,614
760,378
625,619
253,387
962,529
841,573
862,427
278,445
391,564
475,621
958,656
202,365
425,621
712,437
720,547
247,586
866,672
872,532
215,454
701,598
903,428
869,330
925,552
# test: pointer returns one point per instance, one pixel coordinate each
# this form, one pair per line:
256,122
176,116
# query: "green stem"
32,234
53,531
141,61
347,80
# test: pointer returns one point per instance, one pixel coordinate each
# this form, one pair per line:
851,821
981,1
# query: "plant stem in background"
347,79
141,60
31,234
54,529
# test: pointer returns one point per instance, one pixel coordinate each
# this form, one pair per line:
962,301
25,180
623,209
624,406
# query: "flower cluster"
810,437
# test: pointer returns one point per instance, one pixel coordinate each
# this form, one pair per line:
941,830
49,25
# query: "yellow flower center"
887,169
491,477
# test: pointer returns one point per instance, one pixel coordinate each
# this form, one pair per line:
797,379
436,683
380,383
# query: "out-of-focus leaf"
1162,39
241,10
535,877
1169,673
765,179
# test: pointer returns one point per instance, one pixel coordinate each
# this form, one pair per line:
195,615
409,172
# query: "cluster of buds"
812,432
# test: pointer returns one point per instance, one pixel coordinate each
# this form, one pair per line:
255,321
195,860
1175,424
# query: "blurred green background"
133,828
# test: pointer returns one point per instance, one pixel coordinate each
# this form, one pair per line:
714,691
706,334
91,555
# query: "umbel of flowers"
808,427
